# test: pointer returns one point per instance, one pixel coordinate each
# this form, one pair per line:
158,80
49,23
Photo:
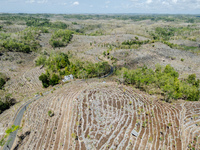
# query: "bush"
8,131
3,106
50,113
3,80
45,80
41,60
54,80
2,83
135,41
6,102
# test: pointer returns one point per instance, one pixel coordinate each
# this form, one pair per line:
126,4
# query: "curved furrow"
99,115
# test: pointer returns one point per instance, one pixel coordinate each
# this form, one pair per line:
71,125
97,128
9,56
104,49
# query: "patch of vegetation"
6,102
73,135
54,63
39,22
61,38
97,33
181,47
24,41
3,80
165,33
50,113
8,132
74,23
2,83
164,79
58,65
33,20
134,43
150,139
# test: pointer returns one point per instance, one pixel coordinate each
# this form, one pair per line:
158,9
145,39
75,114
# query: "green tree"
170,70
191,79
45,80
41,60
54,80
2,82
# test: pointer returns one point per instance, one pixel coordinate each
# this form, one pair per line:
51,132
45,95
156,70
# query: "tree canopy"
60,38
164,80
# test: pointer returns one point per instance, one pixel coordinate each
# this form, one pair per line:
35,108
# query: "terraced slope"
191,125
27,84
102,116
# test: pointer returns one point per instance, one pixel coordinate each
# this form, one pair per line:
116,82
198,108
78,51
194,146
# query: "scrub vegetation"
58,65
164,81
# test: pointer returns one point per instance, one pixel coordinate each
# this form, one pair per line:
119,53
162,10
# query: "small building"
67,78
134,133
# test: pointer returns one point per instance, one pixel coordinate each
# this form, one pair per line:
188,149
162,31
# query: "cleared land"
102,116
97,115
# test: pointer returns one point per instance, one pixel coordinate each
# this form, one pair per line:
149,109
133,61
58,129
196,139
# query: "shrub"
3,106
54,80
50,113
2,83
104,53
169,124
41,60
150,139
6,102
73,135
45,80
191,79
8,131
